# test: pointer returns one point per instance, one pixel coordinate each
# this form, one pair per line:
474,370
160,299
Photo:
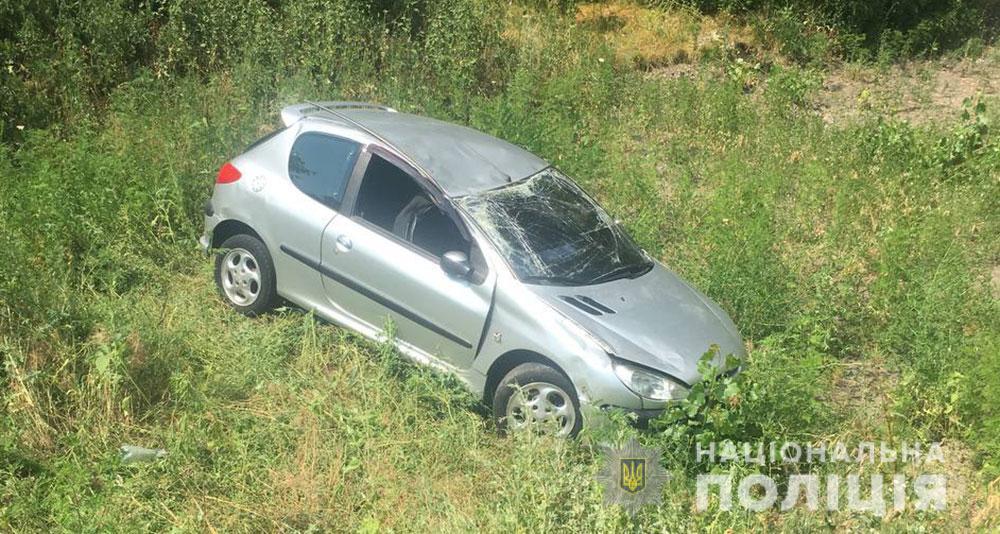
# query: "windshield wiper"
633,270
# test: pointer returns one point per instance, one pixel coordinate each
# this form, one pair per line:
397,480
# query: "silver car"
480,258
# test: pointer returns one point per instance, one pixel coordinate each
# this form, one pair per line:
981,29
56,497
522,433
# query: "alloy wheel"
542,405
240,277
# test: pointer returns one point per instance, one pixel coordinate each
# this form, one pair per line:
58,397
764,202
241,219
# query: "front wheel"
244,274
536,396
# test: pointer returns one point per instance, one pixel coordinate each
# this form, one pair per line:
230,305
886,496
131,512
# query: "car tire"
244,275
534,395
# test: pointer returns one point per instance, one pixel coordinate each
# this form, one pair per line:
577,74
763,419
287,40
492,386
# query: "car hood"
656,320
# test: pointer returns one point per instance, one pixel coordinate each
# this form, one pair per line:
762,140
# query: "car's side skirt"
473,380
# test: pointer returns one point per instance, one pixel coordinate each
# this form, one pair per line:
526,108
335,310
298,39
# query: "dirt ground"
670,43
919,92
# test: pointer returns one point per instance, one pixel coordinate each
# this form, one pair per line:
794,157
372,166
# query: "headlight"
648,384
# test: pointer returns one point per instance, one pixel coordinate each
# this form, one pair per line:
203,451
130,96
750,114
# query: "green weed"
865,249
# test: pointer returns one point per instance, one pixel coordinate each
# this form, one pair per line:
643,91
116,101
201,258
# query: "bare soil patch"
924,92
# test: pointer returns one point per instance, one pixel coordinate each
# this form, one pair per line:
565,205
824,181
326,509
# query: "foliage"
63,59
834,247
752,406
967,138
893,30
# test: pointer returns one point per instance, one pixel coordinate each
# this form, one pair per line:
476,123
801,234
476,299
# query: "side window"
390,199
320,166
436,233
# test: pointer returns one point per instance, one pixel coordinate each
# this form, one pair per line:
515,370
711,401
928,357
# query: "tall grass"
838,250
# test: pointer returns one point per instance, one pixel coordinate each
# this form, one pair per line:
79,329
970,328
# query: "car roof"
460,160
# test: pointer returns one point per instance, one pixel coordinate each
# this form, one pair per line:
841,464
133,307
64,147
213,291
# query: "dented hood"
656,320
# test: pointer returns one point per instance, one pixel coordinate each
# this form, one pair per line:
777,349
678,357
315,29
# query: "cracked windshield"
551,233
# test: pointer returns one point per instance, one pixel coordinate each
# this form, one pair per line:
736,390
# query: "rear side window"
320,166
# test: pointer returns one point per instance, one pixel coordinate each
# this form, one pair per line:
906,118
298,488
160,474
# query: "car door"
318,166
381,263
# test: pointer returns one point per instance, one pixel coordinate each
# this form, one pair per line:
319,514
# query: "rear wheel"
537,397
244,274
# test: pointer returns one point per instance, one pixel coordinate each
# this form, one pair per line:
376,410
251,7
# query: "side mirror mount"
456,264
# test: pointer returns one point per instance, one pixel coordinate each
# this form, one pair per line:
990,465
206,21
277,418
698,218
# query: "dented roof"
459,159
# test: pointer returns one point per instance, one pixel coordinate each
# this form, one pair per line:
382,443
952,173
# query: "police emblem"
633,476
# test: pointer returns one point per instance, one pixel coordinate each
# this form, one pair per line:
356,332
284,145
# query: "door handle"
344,243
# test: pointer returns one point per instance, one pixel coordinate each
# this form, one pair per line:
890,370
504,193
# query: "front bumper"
642,417
650,409
602,417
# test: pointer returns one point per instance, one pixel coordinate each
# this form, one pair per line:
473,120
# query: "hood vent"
587,304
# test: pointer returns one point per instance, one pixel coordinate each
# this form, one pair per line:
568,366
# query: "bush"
888,29
834,248
64,60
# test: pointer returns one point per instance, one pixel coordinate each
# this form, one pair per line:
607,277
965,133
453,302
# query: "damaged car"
481,259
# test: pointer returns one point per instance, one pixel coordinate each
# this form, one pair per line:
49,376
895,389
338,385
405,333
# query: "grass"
856,258
650,38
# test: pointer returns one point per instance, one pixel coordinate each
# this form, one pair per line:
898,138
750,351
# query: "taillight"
228,174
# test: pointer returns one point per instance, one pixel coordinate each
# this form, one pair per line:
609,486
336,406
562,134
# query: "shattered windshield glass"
552,233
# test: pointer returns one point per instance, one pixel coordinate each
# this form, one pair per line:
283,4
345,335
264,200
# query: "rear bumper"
204,243
211,221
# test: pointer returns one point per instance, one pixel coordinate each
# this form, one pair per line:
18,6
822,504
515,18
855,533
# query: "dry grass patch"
652,38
